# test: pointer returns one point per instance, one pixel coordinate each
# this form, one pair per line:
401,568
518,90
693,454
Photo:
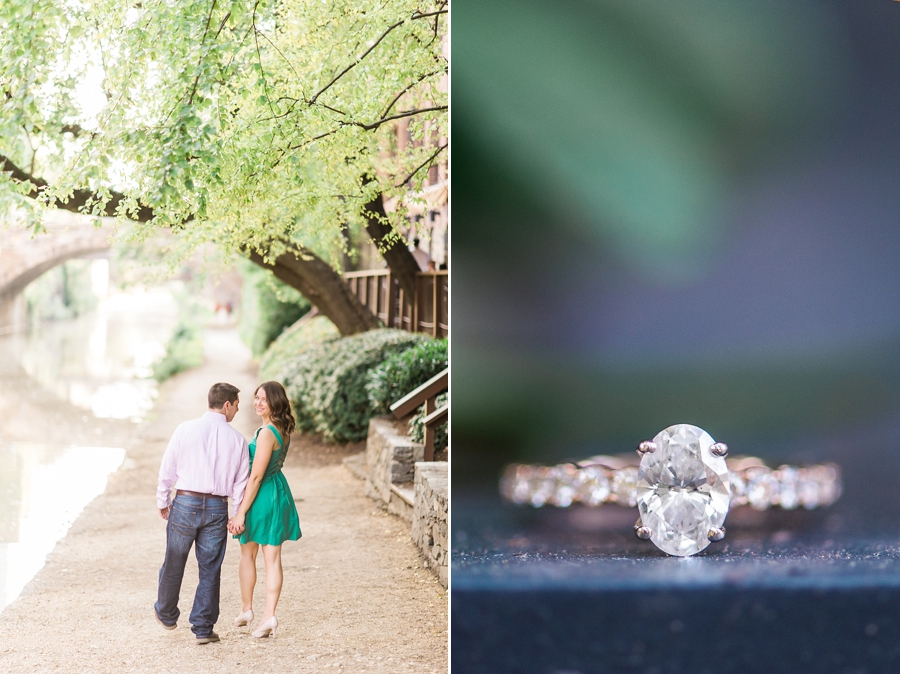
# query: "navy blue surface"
563,592
559,591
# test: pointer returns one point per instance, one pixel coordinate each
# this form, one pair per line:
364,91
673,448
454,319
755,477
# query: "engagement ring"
683,487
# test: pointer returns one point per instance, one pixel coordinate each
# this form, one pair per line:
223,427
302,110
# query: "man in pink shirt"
207,461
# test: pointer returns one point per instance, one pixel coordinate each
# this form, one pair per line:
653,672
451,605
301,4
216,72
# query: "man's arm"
168,474
240,482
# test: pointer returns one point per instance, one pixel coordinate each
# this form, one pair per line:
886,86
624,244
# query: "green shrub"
417,428
184,351
278,361
268,306
292,358
404,372
327,381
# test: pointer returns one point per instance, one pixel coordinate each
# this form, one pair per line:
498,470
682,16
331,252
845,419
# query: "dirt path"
356,597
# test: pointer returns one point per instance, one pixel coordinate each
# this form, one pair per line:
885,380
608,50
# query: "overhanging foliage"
267,126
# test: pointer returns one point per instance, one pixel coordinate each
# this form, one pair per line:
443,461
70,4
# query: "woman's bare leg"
274,578
247,574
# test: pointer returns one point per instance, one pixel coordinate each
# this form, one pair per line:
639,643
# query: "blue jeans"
194,519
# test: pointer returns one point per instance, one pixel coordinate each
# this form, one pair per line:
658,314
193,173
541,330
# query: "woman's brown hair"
279,406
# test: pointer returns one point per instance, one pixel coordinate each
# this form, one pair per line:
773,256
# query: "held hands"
236,524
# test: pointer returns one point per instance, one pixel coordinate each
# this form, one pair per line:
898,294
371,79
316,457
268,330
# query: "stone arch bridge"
24,257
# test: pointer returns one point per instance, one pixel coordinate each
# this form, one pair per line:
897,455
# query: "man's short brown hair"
222,393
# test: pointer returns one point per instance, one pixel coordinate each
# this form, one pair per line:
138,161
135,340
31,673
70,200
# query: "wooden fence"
381,292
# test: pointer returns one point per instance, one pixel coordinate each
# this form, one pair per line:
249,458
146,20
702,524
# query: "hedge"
326,382
403,372
278,361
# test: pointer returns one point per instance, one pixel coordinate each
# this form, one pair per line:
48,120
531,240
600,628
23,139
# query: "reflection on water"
67,387
99,362
41,501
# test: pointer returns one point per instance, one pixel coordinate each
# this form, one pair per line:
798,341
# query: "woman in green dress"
267,515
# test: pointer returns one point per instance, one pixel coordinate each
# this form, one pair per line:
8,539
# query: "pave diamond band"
601,480
683,487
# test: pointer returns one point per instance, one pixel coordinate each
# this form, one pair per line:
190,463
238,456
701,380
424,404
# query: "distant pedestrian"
422,257
207,461
267,516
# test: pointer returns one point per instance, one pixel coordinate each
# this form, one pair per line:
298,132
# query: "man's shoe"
212,638
165,627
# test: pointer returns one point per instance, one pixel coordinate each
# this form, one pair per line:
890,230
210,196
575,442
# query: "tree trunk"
402,263
323,287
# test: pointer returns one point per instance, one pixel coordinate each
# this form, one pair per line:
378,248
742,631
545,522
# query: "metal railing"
427,393
426,312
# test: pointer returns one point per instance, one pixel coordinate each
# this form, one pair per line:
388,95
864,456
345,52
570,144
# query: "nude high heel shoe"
244,618
266,628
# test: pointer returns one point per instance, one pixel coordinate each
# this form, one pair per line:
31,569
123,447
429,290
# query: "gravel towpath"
355,597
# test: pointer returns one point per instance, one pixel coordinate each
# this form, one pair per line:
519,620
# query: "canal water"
72,394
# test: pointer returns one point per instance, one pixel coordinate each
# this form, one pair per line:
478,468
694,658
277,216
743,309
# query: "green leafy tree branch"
268,127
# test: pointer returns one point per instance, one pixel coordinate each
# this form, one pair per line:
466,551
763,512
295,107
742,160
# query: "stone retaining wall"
429,522
393,459
390,457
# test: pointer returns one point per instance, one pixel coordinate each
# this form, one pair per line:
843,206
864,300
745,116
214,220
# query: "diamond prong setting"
641,531
646,447
719,449
716,534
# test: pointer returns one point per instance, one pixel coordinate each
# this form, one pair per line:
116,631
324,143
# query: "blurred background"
677,212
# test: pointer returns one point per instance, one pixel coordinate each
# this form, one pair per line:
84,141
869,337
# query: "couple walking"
208,461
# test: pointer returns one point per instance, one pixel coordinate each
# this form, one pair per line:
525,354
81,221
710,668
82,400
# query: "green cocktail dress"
272,519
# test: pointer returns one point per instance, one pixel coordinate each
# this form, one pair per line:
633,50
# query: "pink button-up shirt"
205,455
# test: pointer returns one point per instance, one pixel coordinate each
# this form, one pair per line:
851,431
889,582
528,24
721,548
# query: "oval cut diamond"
683,490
